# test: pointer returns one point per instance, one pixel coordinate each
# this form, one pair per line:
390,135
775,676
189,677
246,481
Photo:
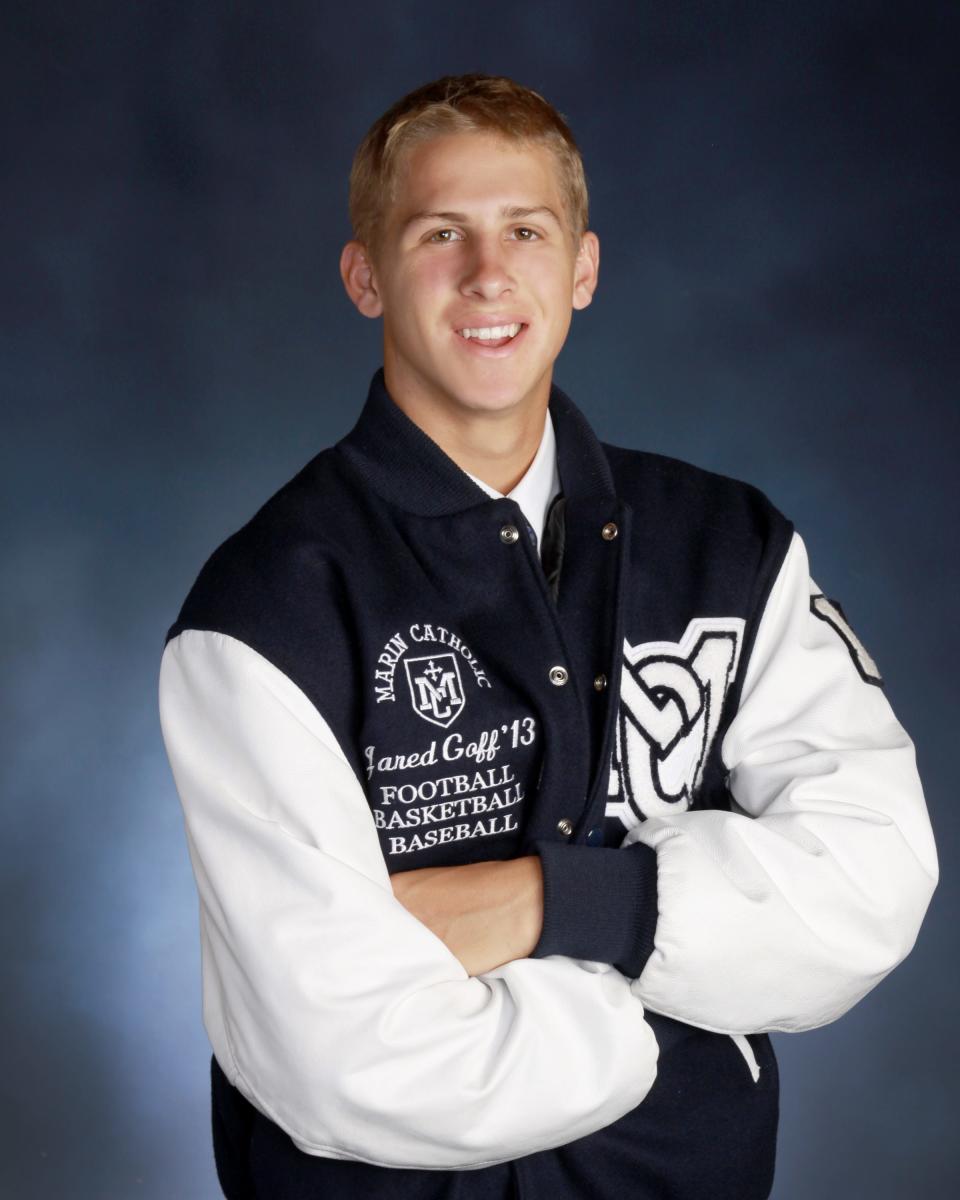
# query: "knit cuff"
599,903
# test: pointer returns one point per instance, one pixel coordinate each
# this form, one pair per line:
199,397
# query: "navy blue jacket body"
489,713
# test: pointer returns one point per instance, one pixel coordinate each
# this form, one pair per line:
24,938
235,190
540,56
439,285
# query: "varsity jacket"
377,673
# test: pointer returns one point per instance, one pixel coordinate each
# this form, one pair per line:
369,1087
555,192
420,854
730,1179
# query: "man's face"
478,239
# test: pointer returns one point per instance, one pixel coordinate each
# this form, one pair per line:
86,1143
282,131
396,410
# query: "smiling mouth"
492,336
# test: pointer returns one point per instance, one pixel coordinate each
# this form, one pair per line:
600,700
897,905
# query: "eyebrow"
510,211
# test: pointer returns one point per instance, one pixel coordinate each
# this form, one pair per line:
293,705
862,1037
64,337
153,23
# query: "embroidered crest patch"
436,689
435,680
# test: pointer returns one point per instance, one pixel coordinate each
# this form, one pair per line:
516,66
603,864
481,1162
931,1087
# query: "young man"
529,782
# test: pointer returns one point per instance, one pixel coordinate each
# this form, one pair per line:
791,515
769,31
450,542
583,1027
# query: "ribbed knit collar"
407,468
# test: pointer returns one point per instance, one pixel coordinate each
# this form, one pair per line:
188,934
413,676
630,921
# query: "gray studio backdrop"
778,217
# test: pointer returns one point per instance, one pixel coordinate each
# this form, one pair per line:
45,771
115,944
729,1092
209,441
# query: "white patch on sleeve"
830,611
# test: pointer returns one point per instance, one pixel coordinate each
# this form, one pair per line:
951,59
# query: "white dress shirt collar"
539,485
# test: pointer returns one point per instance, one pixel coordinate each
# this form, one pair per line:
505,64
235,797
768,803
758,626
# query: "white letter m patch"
671,699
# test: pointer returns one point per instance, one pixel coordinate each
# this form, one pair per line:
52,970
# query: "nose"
487,273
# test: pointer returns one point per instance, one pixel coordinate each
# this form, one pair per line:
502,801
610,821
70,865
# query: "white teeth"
494,331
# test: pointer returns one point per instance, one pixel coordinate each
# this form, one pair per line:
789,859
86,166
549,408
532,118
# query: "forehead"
469,172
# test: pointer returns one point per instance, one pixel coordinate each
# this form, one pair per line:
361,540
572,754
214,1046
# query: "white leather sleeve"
783,915
330,1006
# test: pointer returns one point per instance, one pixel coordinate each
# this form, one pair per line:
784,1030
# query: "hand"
486,913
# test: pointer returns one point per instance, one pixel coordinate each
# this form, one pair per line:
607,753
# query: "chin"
489,402
494,395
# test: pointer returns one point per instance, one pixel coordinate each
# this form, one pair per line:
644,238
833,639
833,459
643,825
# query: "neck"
495,445
499,453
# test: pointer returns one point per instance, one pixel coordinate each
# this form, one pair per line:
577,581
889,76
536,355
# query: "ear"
356,271
586,270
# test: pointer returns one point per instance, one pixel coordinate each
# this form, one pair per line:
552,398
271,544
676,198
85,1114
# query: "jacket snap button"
609,531
558,676
565,826
600,683
509,534
594,836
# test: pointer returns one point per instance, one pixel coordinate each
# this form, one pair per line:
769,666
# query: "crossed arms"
369,1033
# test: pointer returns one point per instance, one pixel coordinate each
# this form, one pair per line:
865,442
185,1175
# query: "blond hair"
459,104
